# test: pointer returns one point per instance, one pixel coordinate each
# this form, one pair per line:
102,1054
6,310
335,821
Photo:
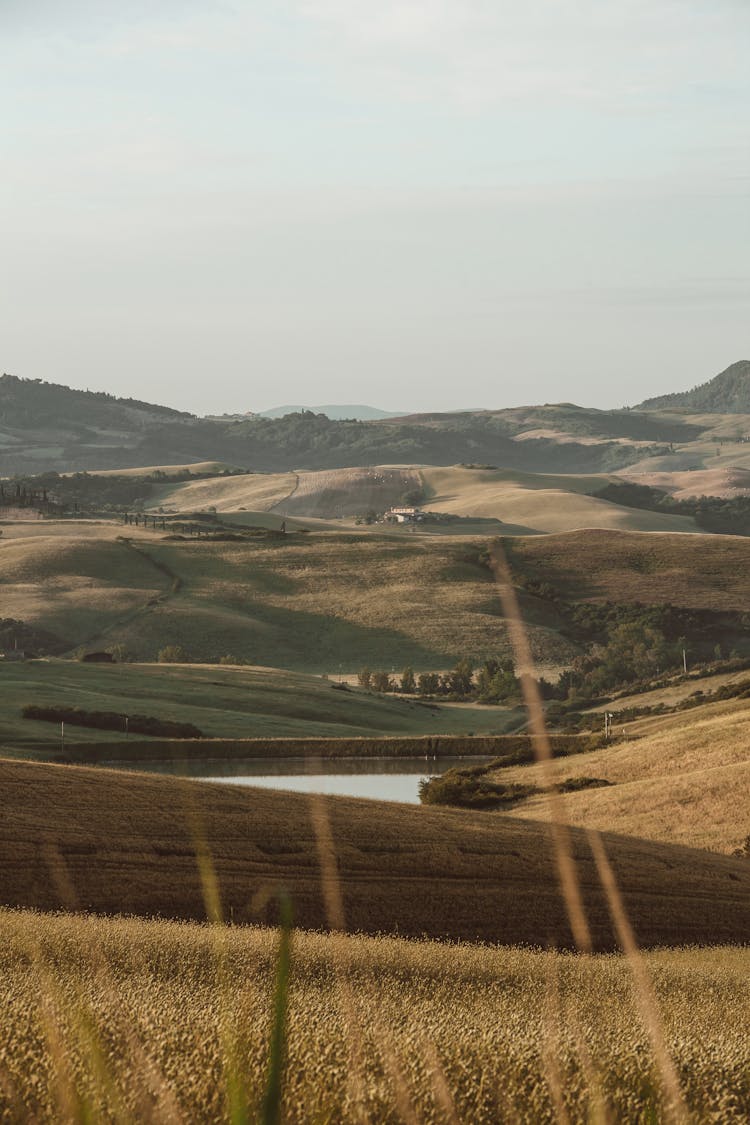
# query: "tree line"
495,681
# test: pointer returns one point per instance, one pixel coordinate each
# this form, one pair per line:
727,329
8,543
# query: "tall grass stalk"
272,1098
674,1104
525,670
672,1098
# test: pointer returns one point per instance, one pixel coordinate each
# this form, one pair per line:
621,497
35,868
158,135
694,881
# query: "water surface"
381,779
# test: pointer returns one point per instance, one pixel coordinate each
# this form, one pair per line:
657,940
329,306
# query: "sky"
418,204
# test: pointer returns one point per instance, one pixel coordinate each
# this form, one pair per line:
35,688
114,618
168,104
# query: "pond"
381,779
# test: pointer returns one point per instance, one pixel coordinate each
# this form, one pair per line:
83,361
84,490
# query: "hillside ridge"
727,393
130,848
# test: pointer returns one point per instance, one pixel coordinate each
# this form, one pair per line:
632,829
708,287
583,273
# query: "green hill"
222,702
726,393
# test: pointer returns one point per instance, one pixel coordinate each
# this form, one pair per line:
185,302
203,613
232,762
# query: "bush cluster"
466,789
112,720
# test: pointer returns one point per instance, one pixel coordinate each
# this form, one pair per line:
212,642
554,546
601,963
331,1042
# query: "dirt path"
176,586
277,505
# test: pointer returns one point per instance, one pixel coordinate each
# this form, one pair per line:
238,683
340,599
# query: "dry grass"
527,503
338,493
321,602
148,470
681,778
675,692
135,1018
727,482
76,583
252,490
128,844
533,503
697,571
330,602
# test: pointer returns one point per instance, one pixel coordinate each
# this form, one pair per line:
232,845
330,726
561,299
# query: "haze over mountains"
48,427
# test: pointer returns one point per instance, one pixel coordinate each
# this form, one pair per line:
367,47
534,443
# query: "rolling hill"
516,503
682,778
223,702
726,393
303,602
695,571
126,844
45,427
327,601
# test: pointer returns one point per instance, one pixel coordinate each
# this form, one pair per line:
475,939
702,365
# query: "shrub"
573,784
173,654
465,789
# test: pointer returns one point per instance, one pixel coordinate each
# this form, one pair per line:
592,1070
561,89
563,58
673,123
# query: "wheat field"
126,1020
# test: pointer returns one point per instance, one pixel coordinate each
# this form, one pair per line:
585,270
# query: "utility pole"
684,661
62,735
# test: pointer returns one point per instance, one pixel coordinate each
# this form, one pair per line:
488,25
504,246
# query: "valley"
239,581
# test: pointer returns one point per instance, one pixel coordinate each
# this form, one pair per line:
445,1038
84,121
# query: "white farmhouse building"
404,515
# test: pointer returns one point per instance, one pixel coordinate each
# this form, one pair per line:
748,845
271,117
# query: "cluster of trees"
19,494
84,491
494,681
635,651
29,638
34,403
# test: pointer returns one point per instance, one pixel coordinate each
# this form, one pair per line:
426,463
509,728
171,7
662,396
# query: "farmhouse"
404,515
13,654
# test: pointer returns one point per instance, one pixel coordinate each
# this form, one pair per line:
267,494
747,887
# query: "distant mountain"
45,427
335,413
727,393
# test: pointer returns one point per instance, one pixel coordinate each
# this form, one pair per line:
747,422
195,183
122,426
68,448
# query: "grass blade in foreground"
271,1108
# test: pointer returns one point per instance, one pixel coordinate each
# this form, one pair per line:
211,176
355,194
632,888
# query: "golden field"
126,1020
682,778
319,602
520,503
330,602
117,842
533,503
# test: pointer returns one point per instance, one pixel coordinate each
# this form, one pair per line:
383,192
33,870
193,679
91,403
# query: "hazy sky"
422,204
